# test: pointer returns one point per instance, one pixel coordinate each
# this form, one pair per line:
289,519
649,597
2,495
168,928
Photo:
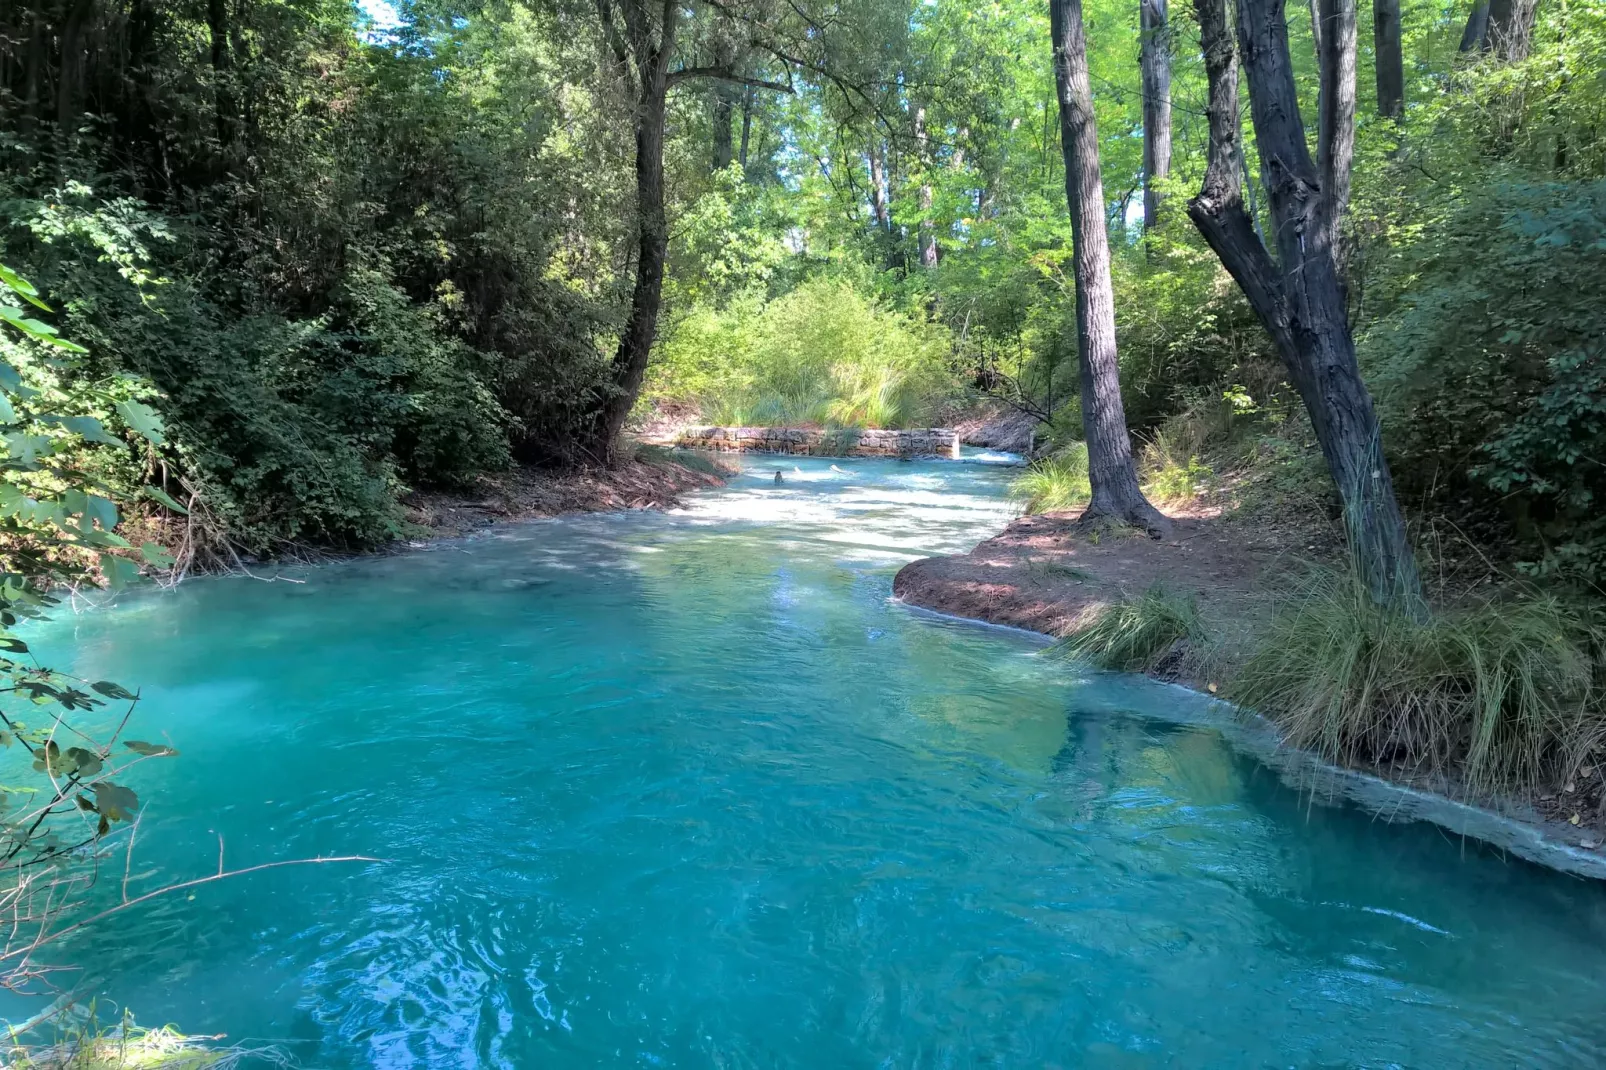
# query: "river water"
690,790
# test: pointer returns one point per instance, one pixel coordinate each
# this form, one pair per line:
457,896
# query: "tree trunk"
1477,31
1390,58
1155,58
69,85
1109,446
878,190
1300,298
747,126
724,110
1510,32
926,238
217,18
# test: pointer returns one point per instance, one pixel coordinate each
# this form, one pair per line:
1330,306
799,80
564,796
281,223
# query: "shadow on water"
690,790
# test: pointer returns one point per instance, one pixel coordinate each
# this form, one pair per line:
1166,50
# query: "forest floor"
533,493
1044,573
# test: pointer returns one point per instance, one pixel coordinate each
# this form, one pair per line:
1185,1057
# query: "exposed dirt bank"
1042,573
530,493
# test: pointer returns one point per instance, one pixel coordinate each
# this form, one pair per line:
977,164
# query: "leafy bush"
1491,369
1496,691
823,354
1055,483
1134,634
61,484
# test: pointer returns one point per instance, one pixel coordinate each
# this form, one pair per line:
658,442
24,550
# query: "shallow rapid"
690,790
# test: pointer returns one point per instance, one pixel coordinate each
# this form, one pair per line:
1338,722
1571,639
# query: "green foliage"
1496,692
1491,367
823,354
68,438
1056,483
1134,634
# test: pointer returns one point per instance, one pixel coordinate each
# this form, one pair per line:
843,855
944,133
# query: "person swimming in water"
777,477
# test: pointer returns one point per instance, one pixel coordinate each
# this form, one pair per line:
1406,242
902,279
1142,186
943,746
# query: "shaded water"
688,790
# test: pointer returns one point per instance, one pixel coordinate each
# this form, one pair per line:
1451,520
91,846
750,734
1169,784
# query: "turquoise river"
691,790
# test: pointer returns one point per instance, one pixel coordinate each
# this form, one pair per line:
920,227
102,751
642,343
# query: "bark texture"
1111,472
1477,29
1300,297
641,47
1511,26
1390,58
1155,59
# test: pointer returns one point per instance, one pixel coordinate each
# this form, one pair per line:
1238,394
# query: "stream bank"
532,494
1043,574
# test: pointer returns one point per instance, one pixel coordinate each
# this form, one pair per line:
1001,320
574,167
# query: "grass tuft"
1496,693
1055,483
1134,634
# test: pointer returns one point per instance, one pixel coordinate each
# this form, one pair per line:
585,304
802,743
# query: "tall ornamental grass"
1498,692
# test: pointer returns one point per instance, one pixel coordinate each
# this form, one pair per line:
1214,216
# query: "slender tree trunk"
69,84
1300,297
1111,470
1390,58
724,109
217,18
1477,30
878,189
927,236
1155,58
747,126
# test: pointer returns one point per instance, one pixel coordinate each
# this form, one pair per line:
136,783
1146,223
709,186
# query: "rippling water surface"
688,790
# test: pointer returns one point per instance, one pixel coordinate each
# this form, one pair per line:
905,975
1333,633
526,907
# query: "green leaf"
119,570
8,415
89,428
143,420
25,323
10,381
21,287
112,690
161,497
150,750
101,510
155,556
114,801
13,645
83,762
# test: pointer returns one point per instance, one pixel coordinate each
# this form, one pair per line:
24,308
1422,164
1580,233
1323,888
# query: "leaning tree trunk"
1300,297
1109,447
1155,59
1390,58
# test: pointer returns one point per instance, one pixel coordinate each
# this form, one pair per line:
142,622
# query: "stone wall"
841,442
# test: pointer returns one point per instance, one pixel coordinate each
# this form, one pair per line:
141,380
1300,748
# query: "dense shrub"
823,354
1491,368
